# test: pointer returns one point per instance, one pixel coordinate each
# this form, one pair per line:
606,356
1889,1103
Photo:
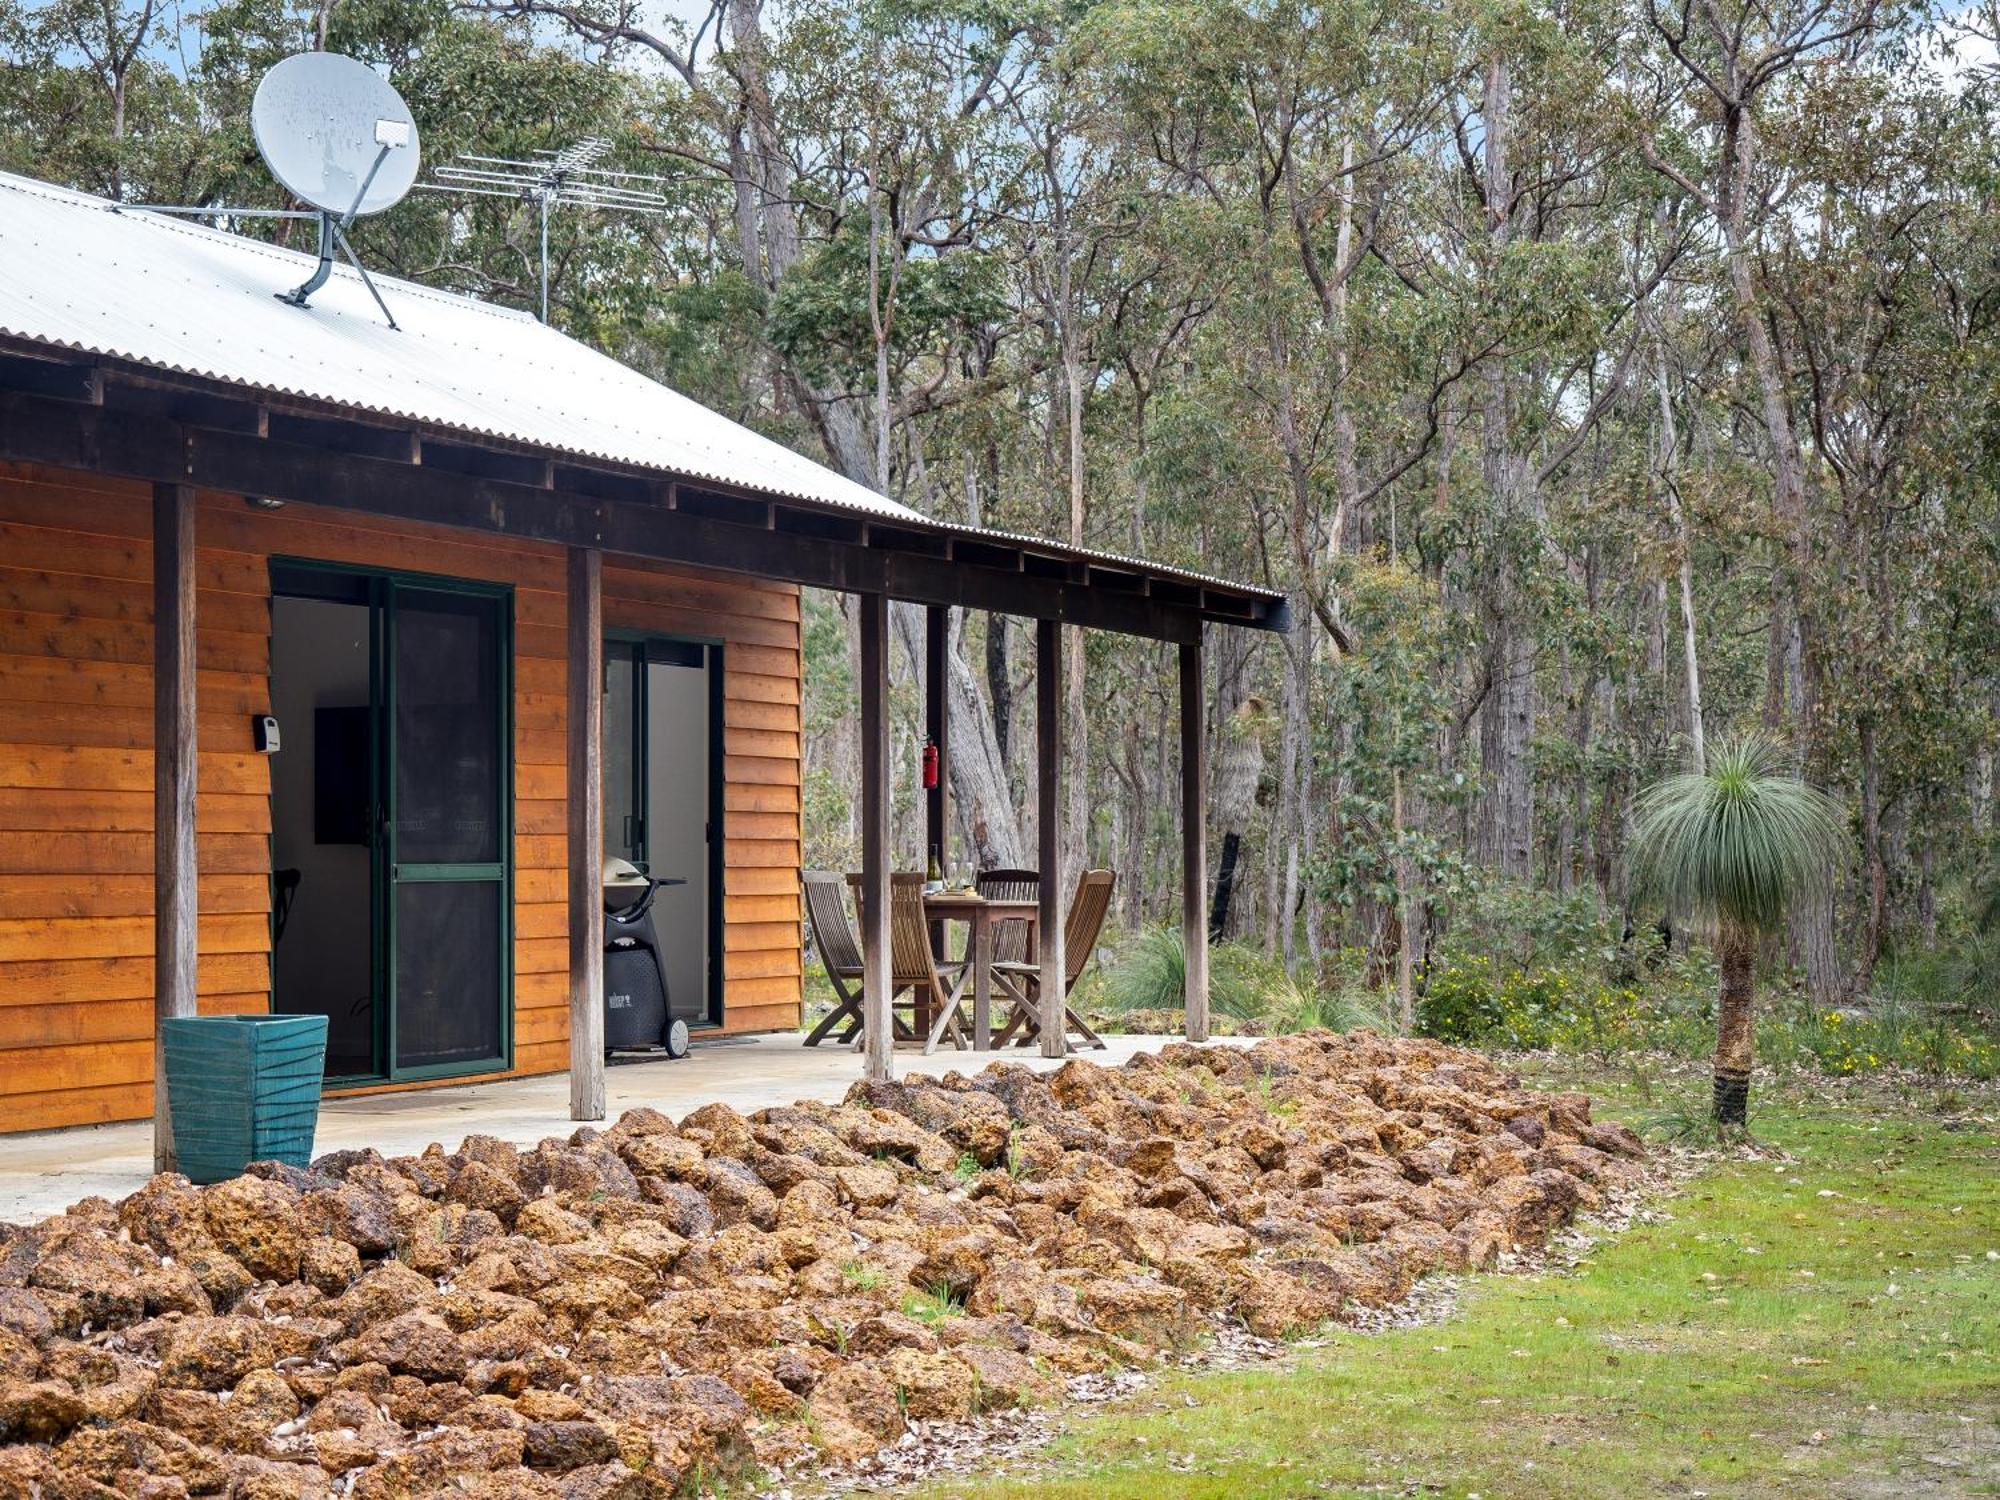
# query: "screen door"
391,818
447,855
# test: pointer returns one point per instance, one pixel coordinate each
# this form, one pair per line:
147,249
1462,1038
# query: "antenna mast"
552,179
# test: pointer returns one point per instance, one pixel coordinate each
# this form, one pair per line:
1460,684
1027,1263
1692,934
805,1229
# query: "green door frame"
383,587
714,647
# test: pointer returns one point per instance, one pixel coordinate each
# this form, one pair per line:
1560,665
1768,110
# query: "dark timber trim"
584,669
175,900
112,418
1194,842
937,728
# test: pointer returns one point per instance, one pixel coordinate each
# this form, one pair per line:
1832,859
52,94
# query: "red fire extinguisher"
930,765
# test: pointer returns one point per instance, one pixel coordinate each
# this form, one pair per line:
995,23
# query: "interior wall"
321,965
677,797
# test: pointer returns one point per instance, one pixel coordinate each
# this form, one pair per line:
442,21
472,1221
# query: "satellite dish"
335,133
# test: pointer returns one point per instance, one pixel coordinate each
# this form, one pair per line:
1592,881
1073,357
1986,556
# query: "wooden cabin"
287,602
336,658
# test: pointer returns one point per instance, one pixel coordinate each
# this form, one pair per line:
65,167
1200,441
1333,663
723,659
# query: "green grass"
1825,1323
933,1305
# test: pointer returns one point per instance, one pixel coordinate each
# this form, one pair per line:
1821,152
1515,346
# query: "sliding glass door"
663,801
392,817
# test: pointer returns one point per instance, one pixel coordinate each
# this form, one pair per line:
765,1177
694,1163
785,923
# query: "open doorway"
322,679
391,819
663,801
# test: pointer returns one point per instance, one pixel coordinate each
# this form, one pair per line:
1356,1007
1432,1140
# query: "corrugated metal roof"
179,295
81,273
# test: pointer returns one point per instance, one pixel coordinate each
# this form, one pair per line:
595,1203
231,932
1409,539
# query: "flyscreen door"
448,828
391,818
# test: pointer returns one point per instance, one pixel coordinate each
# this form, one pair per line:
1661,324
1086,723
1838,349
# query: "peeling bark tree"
1239,765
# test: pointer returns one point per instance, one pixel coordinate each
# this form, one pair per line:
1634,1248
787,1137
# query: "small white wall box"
264,728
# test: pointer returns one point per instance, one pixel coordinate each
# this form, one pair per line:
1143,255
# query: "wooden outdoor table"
981,915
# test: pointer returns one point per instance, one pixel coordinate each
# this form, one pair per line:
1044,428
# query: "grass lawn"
1824,1323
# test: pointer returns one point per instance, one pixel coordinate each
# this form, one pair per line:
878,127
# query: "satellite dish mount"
335,134
390,135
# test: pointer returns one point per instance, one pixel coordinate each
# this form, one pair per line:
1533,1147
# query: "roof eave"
1167,596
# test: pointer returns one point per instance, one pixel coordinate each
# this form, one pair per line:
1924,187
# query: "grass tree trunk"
1734,1032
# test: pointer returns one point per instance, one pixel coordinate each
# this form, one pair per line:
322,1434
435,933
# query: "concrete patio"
43,1172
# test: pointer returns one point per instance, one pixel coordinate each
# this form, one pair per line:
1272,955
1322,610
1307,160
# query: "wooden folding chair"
838,951
914,968
1010,939
1087,910
913,965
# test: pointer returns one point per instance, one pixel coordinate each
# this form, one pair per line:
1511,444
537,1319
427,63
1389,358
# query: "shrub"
1565,1009
1150,973
1471,1001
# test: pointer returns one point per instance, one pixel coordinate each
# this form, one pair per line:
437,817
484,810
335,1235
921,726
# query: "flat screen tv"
340,775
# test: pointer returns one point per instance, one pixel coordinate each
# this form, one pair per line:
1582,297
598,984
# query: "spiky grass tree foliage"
1742,841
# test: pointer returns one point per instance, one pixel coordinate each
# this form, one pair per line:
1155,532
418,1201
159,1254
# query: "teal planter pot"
243,1089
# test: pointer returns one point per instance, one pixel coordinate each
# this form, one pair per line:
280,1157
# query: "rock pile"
628,1311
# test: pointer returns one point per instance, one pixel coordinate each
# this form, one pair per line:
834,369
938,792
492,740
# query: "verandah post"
1194,841
175,894
937,728
585,791
1053,979
878,1038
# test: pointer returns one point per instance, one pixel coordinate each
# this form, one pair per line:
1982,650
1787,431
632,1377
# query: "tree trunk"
1735,1035
979,786
766,163
1871,854
1000,687
1239,764
1138,815
1684,545
1225,886
1507,721
1926,896
1288,824
1406,998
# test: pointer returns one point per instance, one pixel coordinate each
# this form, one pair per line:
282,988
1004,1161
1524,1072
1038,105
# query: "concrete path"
43,1172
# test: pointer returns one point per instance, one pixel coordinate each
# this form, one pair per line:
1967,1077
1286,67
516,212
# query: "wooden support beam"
878,1035
514,494
585,669
1053,981
175,903
937,728
1194,842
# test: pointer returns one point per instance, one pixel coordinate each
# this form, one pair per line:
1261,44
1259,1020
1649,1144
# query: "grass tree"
1742,841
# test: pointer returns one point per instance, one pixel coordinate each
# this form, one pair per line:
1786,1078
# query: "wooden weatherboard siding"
76,773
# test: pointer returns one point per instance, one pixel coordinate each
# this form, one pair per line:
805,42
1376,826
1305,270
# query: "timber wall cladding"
76,976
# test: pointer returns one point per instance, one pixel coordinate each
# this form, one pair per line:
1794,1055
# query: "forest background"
1597,377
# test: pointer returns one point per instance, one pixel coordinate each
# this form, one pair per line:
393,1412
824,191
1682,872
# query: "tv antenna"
568,178
338,136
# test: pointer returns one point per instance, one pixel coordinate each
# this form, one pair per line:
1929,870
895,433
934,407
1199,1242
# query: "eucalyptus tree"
1732,60
1884,308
